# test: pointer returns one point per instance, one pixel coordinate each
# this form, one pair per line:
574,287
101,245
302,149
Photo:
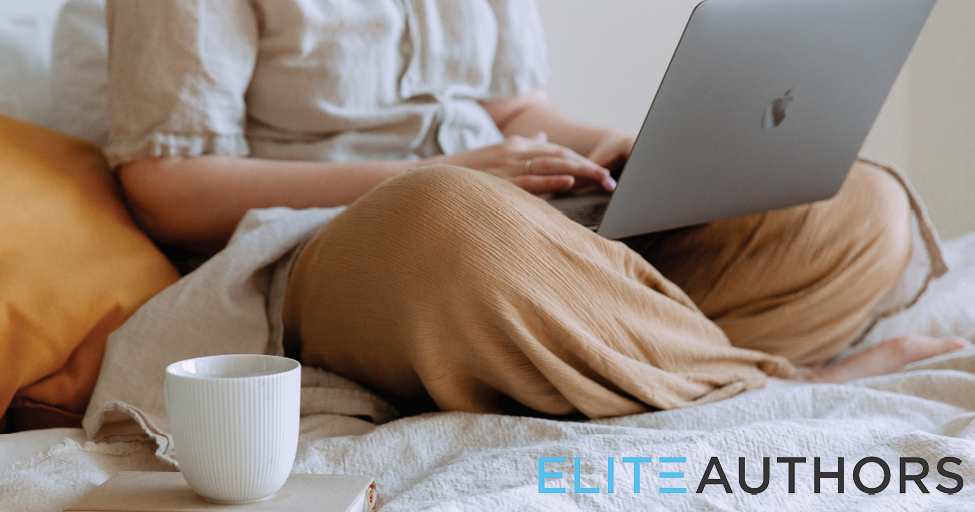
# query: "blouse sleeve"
178,72
521,59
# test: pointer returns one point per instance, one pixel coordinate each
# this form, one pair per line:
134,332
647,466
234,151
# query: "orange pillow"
73,267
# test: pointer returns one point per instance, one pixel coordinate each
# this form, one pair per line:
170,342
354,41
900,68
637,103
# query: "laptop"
765,105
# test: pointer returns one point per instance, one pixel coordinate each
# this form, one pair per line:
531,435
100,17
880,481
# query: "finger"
564,161
604,156
540,137
535,149
609,156
544,184
583,169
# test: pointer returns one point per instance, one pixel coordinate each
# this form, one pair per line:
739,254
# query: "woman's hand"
535,165
612,149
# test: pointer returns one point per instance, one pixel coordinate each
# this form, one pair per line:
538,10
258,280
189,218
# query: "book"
142,491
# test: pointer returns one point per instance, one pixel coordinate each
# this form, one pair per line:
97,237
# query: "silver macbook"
765,105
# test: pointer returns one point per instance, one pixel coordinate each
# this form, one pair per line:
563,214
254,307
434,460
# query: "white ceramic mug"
235,424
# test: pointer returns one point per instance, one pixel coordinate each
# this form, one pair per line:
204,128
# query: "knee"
881,210
438,178
429,188
440,196
413,217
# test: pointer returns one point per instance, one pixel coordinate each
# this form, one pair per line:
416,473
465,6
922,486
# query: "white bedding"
452,461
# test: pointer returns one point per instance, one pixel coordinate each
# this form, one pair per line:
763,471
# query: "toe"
910,349
961,343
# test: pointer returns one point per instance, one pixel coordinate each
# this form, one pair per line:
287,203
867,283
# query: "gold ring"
528,166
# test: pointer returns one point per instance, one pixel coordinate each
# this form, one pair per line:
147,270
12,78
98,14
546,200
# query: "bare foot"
882,359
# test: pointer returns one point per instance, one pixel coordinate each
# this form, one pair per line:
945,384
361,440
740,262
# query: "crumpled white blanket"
459,461
230,305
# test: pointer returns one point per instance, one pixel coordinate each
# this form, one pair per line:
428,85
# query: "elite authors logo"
907,471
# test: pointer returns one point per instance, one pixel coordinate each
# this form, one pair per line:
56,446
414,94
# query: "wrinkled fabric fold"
451,288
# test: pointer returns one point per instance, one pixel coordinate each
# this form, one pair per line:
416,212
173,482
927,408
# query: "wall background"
16,8
609,56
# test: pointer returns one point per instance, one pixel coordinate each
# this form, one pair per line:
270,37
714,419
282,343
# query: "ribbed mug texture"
235,437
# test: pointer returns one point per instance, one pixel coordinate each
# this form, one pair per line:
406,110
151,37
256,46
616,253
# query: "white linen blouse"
315,80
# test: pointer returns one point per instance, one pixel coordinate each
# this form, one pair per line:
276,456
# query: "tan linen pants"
451,288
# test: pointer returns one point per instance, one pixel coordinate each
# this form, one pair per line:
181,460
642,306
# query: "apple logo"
775,113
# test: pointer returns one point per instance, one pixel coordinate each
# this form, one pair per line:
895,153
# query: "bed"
458,461
707,457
